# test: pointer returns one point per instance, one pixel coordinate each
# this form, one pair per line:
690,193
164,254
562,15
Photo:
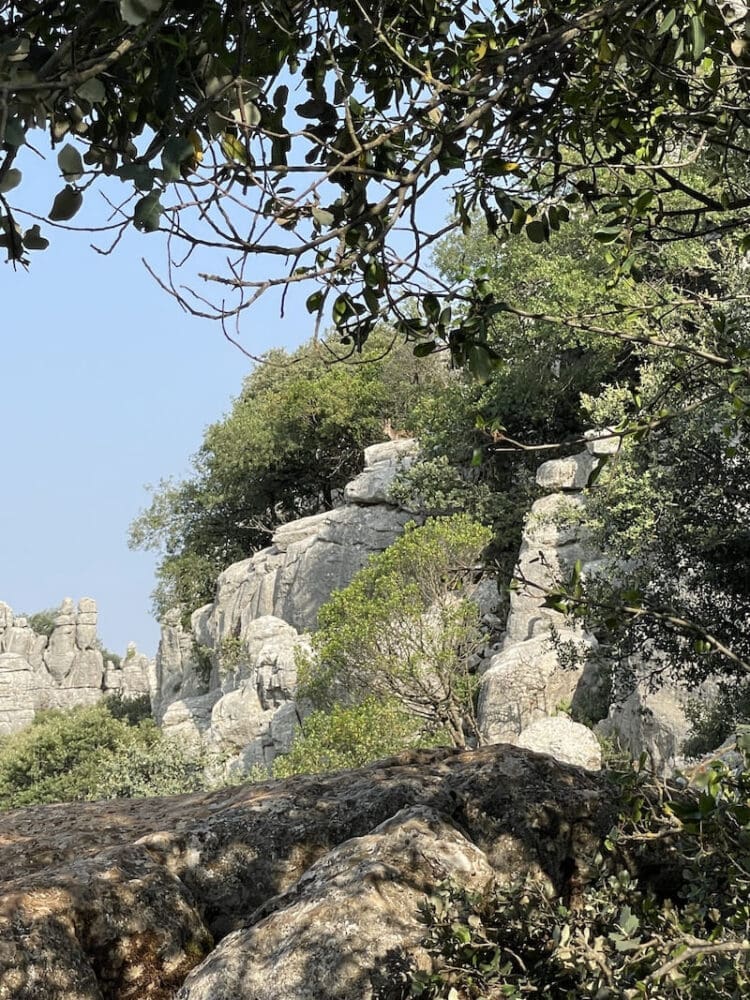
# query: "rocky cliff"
62,669
229,680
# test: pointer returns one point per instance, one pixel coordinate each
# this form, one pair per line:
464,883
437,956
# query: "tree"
310,133
405,630
291,441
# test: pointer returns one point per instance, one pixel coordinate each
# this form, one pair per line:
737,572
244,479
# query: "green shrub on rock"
405,630
351,736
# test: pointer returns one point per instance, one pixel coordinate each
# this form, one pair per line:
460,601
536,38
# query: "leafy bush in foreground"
665,915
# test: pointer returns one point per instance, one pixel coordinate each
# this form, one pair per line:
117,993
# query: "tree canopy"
312,135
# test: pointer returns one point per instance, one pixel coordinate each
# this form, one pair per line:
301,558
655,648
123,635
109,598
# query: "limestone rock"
654,722
106,895
383,462
571,473
603,442
564,740
17,693
289,581
117,925
529,681
341,933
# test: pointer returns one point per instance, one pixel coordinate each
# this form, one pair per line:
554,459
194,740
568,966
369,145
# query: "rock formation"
545,665
120,900
230,678
61,670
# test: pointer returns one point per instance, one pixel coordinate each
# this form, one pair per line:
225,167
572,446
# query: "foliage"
91,753
315,131
405,629
713,720
129,709
43,622
664,913
292,440
347,736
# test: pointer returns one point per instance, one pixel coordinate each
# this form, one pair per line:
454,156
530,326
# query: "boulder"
571,473
564,740
351,924
120,897
383,462
529,681
651,722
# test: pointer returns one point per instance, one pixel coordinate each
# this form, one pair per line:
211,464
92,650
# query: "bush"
87,753
351,736
405,630
43,622
664,914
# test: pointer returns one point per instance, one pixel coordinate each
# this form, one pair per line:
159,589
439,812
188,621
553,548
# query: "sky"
107,385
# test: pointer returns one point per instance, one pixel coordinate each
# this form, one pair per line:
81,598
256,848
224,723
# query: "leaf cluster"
406,629
664,913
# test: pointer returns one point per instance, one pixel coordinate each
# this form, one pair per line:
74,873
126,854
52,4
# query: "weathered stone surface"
654,722
17,691
189,719
603,442
344,930
564,740
383,462
224,854
285,583
62,670
571,473
528,681
117,925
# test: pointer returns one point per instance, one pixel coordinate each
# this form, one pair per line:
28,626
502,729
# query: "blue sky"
106,386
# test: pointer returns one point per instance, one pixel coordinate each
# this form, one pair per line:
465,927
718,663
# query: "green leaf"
423,350
135,12
537,231
147,214
431,305
10,180
176,151
232,148
92,90
141,174
70,163
323,217
314,302
669,19
608,234
33,239
15,134
698,36
66,204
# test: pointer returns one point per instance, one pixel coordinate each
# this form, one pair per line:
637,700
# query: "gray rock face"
382,463
262,610
121,900
564,740
61,670
541,666
341,932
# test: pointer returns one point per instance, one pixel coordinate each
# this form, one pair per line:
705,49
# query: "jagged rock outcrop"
63,669
262,610
545,665
118,900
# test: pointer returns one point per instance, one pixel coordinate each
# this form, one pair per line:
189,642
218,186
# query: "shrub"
43,622
87,753
351,736
664,915
405,630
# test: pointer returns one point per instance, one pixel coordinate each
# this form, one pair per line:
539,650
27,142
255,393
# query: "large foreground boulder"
119,900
